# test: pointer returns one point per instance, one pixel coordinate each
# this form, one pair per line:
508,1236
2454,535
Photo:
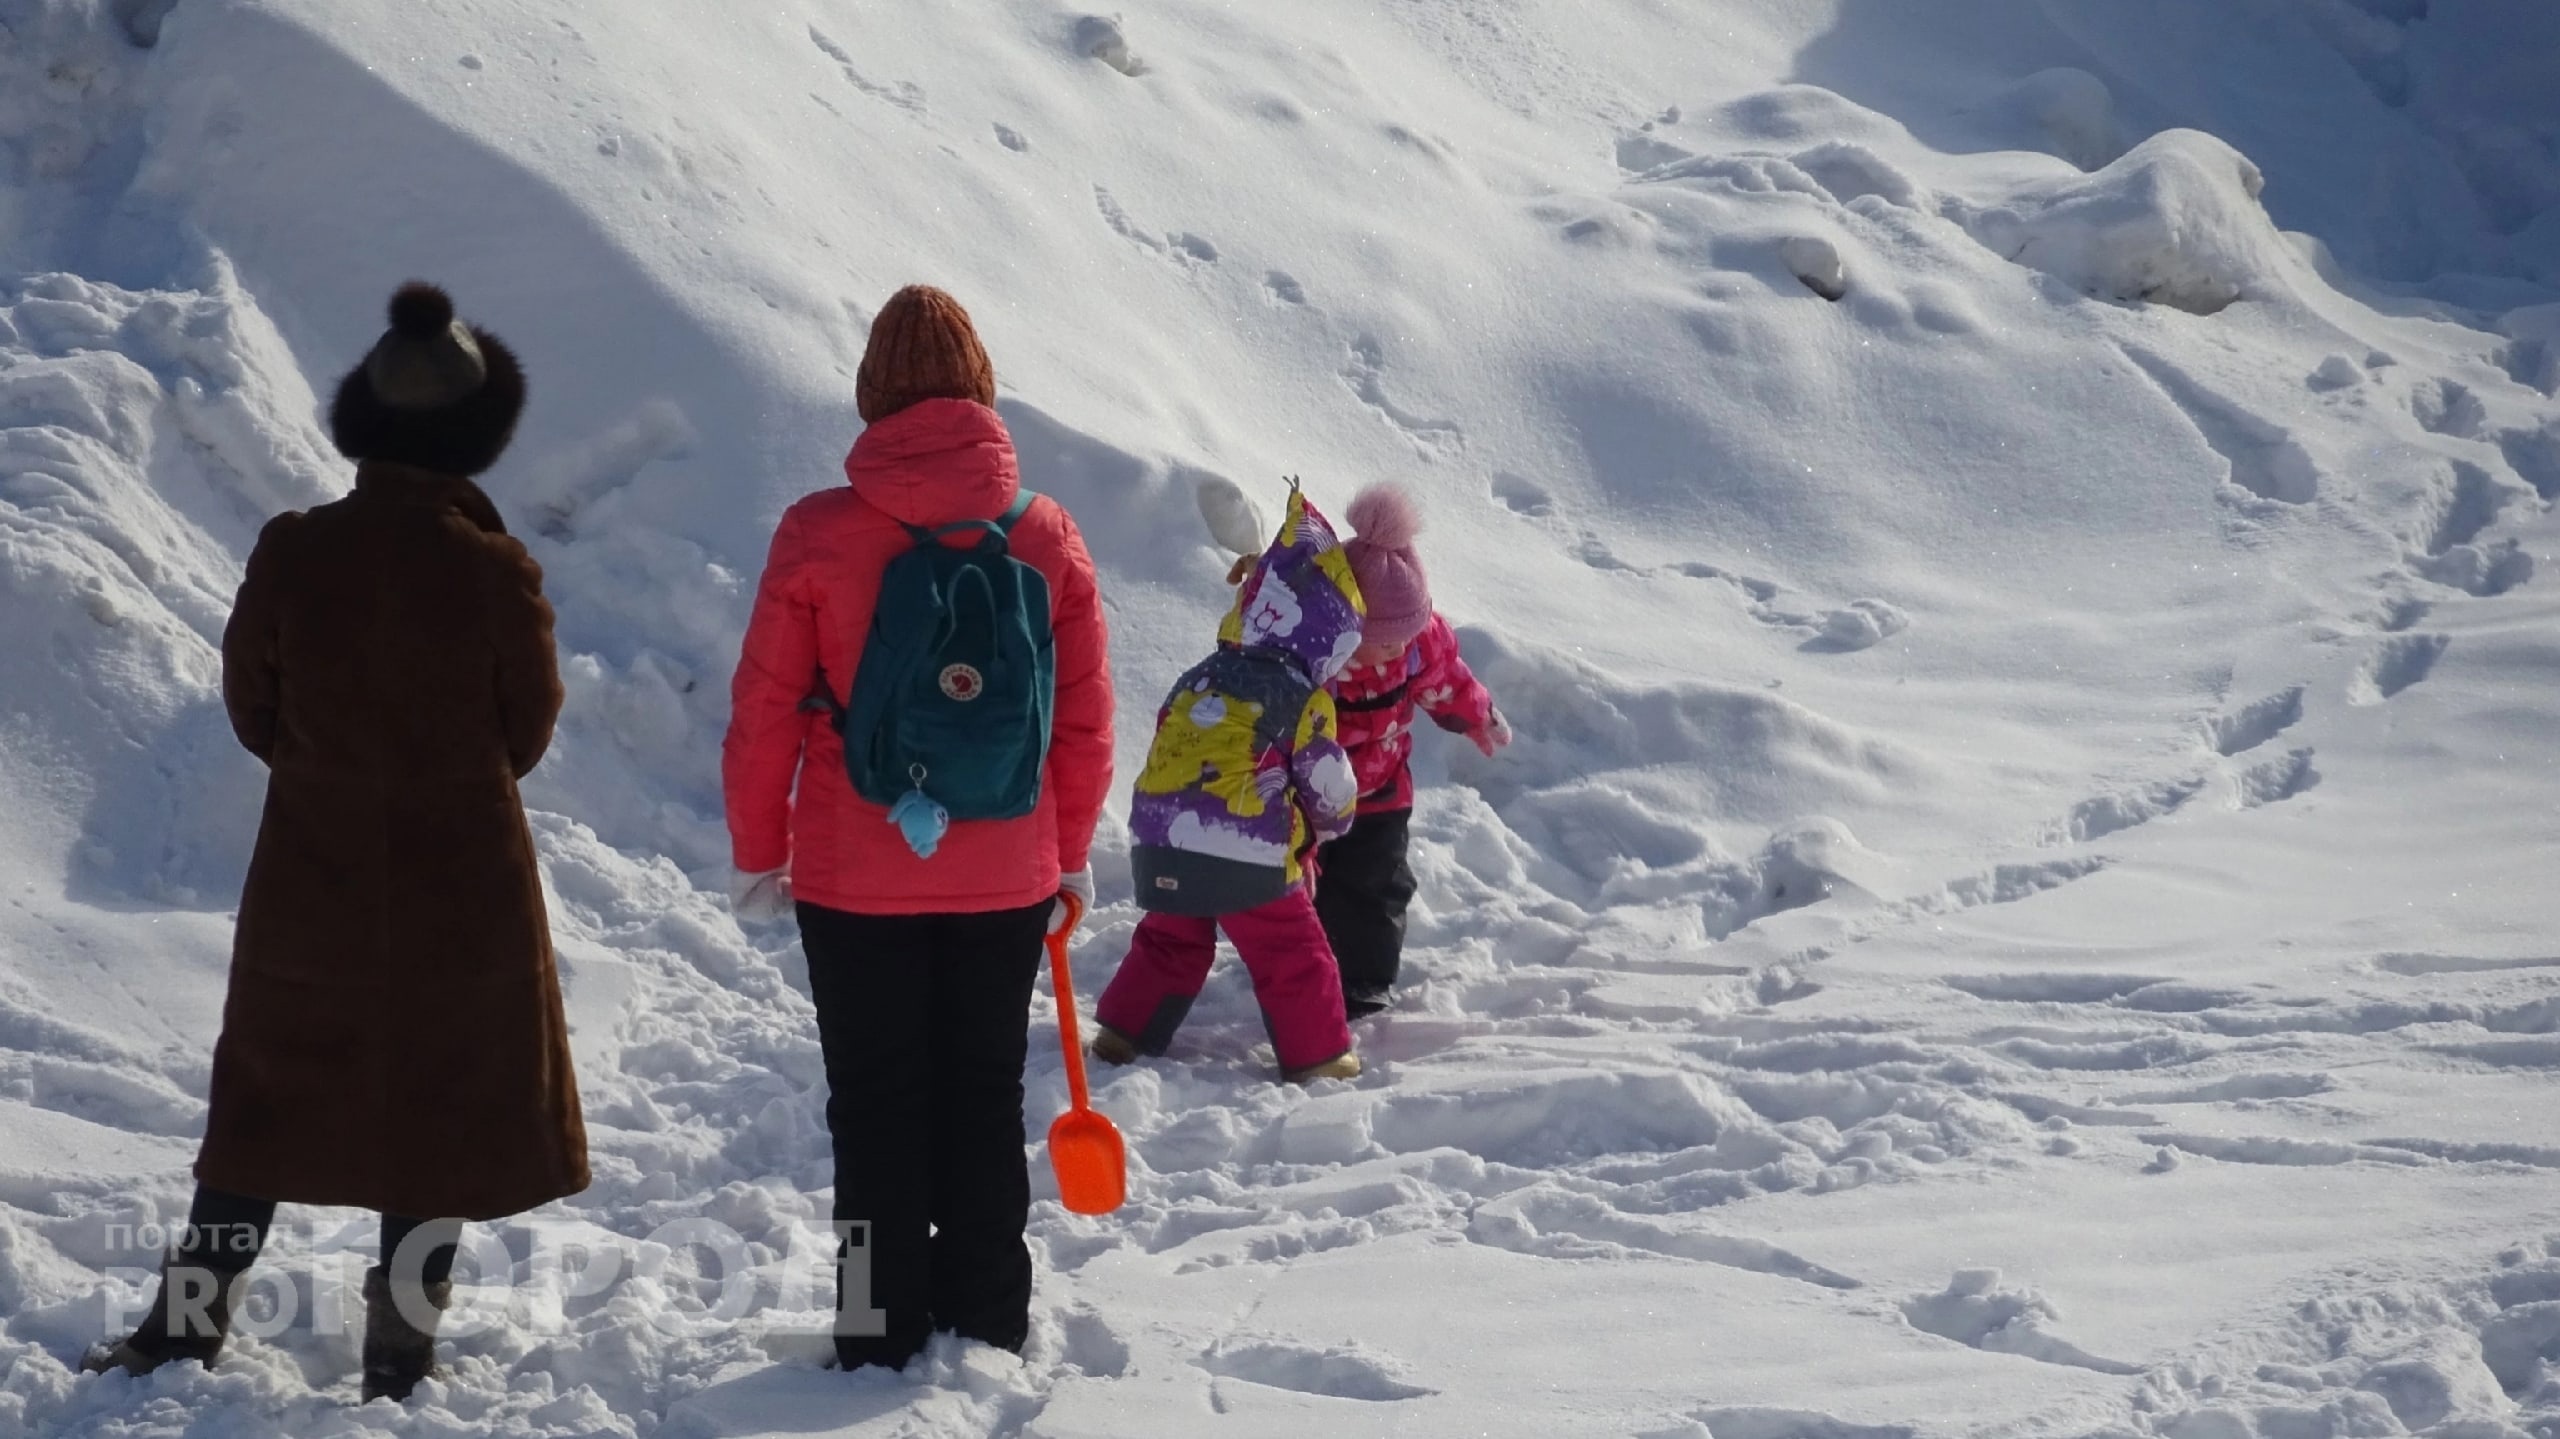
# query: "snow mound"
1976,1309
142,444
2176,222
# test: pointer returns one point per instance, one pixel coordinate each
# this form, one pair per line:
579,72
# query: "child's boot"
1112,1047
1345,1065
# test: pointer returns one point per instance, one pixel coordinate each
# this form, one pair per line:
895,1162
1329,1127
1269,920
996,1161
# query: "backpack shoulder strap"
1001,525
1013,513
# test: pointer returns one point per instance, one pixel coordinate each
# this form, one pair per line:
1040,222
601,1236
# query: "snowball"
1817,263
2336,373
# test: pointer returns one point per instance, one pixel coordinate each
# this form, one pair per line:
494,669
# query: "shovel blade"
1091,1161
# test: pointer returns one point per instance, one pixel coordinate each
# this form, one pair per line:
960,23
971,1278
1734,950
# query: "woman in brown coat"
393,1039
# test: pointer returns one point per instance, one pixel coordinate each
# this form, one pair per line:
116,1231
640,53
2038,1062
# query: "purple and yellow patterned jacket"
1247,774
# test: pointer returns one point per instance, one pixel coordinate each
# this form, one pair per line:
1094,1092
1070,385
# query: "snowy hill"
2017,537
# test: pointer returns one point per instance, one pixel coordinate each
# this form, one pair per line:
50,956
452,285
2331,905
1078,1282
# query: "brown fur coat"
393,1038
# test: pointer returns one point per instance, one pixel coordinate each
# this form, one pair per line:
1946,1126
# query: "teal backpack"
958,679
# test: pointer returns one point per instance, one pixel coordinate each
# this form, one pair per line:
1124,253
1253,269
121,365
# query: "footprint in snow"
1523,496
906,94
2260,456
2106,814
2447,407
2535,454
2401,661
1088,1343
1345,1371
1365,375
1182,246
2277,780
2450,553
2254,724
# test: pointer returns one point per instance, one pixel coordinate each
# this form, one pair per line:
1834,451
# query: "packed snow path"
2022,901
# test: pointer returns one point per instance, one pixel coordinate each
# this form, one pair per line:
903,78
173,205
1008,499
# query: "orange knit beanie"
922,348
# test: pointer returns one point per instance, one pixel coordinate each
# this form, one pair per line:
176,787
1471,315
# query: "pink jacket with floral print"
1375,706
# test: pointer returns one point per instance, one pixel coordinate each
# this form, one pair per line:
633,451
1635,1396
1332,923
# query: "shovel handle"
1064,984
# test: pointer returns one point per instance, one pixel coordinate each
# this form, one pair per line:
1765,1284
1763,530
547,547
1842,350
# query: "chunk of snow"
2175,222
1817,263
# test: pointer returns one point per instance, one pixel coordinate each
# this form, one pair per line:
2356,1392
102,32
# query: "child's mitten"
1233,521
1495,736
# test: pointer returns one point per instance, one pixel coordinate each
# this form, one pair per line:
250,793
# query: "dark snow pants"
925,1022
1363,886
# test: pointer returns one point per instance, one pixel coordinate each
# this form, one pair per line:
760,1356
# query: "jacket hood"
936,462
1301,598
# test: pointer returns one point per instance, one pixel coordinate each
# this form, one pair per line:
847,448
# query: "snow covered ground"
2017,536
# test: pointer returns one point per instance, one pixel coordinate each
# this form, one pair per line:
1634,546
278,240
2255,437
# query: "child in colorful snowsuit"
1244,780
1407,661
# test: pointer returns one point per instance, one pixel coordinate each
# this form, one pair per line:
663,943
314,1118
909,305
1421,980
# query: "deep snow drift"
2016,538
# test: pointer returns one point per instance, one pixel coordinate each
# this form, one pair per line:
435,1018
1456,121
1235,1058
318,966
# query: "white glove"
1495,736
1079,884
760,898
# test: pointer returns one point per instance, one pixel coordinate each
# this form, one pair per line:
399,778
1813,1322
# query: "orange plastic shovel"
1085,1148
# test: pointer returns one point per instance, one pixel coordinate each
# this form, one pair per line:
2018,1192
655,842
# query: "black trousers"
226,1231
925,1021
1363,886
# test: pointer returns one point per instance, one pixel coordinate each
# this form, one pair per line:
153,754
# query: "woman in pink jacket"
921,965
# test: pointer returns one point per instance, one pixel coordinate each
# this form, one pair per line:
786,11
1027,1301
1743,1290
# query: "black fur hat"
433,392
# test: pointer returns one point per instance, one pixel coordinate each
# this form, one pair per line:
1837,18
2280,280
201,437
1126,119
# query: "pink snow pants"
1284,949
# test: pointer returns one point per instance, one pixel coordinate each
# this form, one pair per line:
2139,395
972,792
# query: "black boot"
188,1319
398,1352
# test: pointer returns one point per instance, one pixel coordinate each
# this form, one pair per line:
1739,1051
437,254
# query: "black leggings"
226,1231
1363,886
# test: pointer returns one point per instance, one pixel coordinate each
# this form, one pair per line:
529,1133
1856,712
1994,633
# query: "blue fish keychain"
919,819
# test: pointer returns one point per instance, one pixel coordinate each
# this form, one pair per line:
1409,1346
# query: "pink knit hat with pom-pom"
1398,594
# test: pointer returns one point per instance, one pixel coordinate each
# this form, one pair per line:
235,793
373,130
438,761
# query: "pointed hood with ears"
1301,598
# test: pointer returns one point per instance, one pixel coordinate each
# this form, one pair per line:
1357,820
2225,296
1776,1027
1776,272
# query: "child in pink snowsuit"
1244,780
1407,661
